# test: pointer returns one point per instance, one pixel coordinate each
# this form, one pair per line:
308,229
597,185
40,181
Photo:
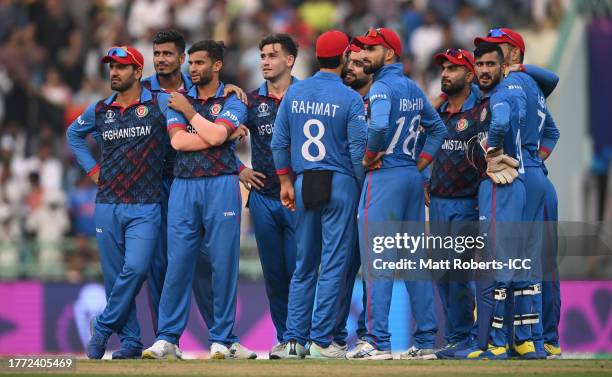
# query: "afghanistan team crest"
142,111
215,109
462,124
483,115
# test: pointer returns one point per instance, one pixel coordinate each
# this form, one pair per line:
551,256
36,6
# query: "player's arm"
500,122
214,134
380,108
547,80
435,133
425,173
76,134
550,136
357,136
281,142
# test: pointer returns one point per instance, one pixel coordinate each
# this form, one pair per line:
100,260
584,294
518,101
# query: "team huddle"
356,144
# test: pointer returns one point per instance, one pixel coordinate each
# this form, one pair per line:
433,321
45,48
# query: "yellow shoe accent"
524,348
148,355
496,350
217,356
475,354
552,351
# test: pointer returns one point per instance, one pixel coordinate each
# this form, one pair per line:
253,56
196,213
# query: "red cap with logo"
124,55
503,35
456,56
382,36
331,43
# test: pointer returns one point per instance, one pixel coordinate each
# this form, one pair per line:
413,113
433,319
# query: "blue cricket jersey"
213,161
152,83
262,109
508,106
320,125
132,140
397,108
537,117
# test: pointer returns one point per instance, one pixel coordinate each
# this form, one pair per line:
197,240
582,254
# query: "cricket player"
539,125
354,77
168,57
274,224
130,126
319,135
454,185
393,188
204,205
501,200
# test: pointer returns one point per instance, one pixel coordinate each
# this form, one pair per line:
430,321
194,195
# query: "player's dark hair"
214,48
287,43
170,36
330,63
485,48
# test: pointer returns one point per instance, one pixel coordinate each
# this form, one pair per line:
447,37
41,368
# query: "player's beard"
495,79
375,66
123,86
359,83
205,78
453,87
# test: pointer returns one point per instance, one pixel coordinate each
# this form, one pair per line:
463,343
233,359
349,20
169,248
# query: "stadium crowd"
50,71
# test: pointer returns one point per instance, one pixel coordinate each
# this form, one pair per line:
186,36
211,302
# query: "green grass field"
315,368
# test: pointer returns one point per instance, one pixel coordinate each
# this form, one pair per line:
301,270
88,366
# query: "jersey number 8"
313,140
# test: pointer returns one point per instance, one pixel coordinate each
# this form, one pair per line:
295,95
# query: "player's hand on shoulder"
251,178
177,101
240,94
95,177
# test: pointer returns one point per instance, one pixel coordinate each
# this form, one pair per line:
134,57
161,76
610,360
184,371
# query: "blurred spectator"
47,166
412,18
49,222
465,25
147,14
81,201
35,196
318,14
53,26
54,90
426,41
281,16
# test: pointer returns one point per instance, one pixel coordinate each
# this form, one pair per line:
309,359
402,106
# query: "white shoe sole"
375,357
424,357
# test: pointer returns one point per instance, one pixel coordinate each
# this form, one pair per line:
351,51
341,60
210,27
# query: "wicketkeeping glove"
501,168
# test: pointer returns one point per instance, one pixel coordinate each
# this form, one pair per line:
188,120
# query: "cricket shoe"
369,352
96,347
493,353
238,351
278,351
162,349
552,351
358,346
294,350
219,352
414,353
525,350
451,349
333,351
127,353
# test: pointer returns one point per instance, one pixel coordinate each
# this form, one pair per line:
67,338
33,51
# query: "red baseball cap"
124,55
503,35
382,36
456,56
331,43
